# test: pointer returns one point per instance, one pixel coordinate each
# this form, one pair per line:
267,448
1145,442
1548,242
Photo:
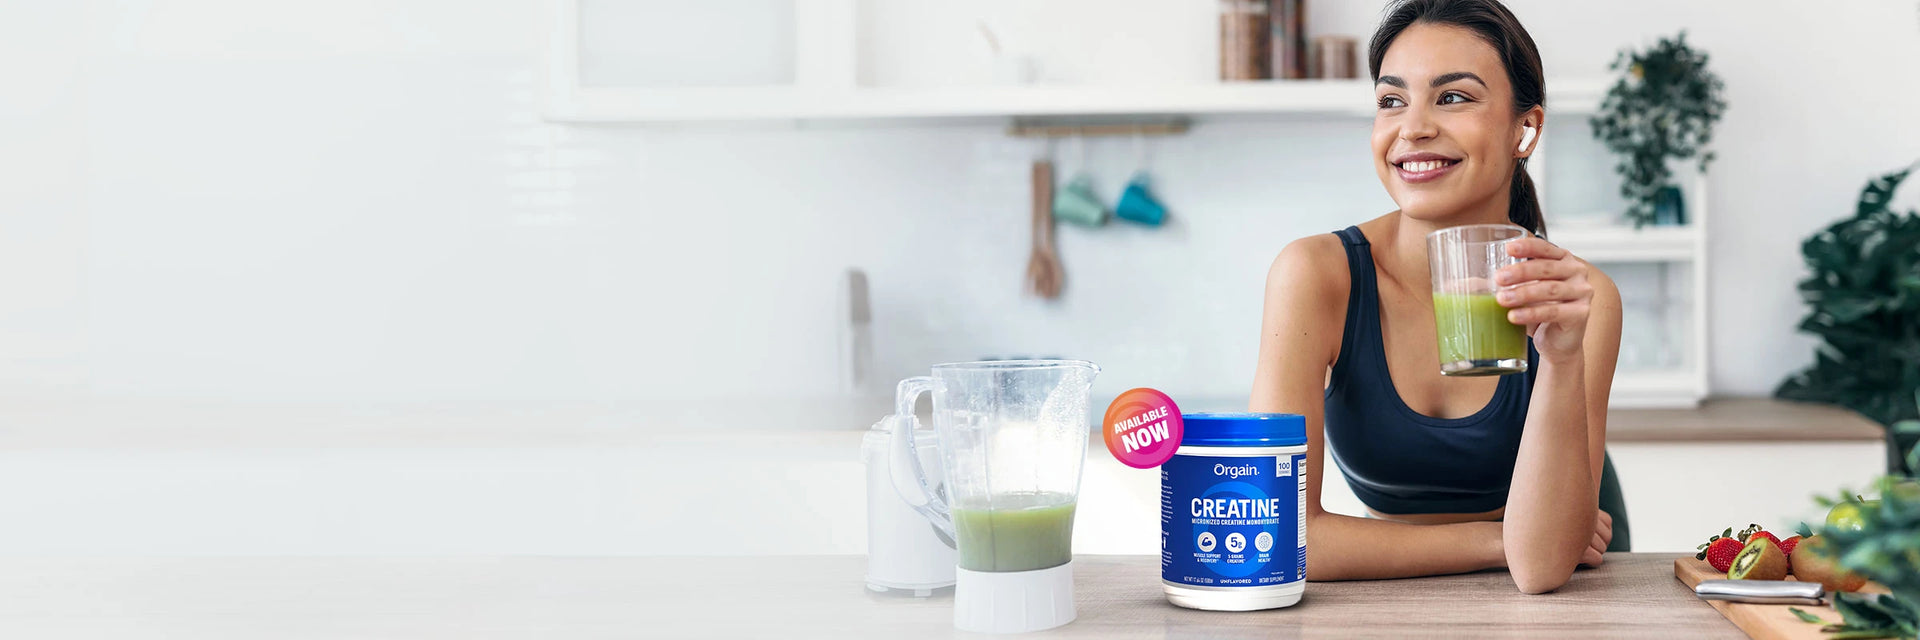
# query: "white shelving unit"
825,90
1622,243
1199,101
1679,250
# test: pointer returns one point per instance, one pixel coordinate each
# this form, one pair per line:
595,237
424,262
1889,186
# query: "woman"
1458,474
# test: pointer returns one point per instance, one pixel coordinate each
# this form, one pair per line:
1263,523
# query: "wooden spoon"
1044,274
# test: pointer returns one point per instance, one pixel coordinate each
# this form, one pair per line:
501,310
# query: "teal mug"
1138,205
1076,203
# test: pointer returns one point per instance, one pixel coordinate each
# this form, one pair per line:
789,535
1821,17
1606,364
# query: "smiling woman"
1461,474
1465,100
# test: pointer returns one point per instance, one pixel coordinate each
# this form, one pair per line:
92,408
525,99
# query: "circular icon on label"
1206,541
1236,542
1263,542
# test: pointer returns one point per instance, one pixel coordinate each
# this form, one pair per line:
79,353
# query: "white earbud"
1526,138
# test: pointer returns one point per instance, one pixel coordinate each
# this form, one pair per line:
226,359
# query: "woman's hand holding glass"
1548,294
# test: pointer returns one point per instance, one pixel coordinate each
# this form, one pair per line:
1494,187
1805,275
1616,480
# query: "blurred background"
631,276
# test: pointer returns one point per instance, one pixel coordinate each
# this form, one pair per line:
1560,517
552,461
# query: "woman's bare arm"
1552,506
1603,353
1300,337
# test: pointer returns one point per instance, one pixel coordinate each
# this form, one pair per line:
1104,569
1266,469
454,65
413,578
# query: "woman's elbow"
1540,581
1534,561
1540,574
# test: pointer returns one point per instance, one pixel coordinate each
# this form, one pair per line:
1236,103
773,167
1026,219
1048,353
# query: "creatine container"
1233,528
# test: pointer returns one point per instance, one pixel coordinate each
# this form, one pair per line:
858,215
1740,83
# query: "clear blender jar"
1013,438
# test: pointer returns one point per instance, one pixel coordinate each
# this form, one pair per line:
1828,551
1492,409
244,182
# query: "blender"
1012,437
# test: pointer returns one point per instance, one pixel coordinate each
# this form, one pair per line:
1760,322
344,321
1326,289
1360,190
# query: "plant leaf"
1804,616
1861,611
1878,192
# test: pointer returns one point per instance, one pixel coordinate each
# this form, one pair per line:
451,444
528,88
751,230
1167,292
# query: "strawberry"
1770,538
1721,551
1786,547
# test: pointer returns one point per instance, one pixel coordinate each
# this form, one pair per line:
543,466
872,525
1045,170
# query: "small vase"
1669,207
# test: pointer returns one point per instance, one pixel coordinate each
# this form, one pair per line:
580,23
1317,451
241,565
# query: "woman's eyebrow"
1457,76
1443,78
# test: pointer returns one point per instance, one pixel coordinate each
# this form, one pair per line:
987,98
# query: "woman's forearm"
1551,502
1348,548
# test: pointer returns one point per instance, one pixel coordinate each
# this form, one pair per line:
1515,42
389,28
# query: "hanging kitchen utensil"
1137,203
1044,274
1076,202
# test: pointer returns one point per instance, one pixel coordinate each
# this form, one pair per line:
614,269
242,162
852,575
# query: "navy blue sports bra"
1397,460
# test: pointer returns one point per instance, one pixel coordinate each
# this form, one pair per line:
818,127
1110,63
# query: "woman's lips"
1424,170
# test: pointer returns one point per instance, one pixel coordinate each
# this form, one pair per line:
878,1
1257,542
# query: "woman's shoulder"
1606,292
1603,284
1306,300
1310,269
1604,306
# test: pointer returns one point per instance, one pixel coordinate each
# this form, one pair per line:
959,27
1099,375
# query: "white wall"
355,202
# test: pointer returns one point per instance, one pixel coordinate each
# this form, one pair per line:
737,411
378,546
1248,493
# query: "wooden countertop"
1742,420
1632,596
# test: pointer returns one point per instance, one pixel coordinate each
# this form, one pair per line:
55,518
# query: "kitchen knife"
1762,591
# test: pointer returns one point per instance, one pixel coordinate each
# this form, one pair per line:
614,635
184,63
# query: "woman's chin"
1427,211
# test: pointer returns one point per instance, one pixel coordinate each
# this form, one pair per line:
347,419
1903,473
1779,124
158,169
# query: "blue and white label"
1225,520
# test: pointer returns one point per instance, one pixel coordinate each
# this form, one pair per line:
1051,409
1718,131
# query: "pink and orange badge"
1142,428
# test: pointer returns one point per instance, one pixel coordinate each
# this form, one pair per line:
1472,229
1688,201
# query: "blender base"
1013,601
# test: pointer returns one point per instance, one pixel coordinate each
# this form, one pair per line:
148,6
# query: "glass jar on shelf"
1244,34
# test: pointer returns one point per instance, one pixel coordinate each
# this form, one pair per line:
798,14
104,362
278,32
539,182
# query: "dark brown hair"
1492,22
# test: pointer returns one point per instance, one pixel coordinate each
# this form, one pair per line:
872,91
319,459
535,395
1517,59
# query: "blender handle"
909,476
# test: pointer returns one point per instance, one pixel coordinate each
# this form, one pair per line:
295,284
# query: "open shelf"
1623,243
1324,98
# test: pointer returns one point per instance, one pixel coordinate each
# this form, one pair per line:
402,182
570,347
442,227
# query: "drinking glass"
1475,337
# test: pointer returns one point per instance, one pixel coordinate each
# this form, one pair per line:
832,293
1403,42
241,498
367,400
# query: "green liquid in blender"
1020,532
1475,327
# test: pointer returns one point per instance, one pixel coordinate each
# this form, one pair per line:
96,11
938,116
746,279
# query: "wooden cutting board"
1760,621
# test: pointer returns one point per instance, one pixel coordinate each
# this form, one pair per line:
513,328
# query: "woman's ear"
1531,125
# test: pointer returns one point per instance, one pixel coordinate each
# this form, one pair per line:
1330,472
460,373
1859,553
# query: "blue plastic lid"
1243,429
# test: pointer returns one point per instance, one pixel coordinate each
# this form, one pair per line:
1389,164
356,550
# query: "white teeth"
1427,165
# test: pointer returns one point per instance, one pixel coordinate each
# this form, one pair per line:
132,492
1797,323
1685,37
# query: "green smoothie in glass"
1473,328
1016,532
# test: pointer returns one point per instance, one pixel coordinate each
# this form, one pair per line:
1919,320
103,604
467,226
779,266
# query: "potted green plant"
1662,108
1864,303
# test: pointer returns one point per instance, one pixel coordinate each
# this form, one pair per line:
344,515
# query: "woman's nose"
1417,124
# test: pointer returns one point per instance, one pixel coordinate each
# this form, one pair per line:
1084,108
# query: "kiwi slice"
1759,560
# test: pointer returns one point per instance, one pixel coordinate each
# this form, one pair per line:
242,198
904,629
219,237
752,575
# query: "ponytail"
1523,202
